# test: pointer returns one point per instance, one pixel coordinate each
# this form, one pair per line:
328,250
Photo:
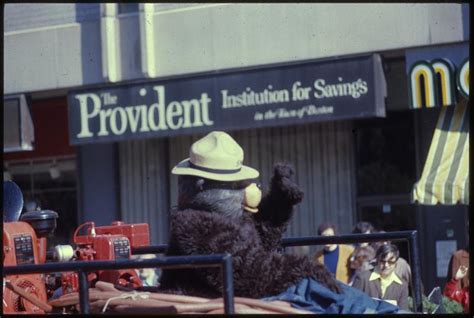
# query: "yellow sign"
433,83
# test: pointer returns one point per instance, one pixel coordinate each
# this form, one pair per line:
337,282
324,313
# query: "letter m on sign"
431,84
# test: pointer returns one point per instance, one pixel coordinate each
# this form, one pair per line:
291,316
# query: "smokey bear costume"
217,213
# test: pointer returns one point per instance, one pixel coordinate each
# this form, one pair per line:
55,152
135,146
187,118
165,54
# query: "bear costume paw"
282,183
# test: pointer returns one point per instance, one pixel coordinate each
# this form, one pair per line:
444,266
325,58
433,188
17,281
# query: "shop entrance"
394,213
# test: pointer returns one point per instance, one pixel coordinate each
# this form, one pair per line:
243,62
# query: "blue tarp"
311,295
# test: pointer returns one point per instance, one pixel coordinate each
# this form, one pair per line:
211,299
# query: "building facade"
118,92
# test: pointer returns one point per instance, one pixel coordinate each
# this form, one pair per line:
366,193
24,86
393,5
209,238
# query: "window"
49,184
386,172
386,154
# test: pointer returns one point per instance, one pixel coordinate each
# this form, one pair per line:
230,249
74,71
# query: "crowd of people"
378,269
375,268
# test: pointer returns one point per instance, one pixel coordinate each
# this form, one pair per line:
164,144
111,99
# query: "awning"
18,130
445,177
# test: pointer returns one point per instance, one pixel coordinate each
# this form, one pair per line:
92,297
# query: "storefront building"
127,88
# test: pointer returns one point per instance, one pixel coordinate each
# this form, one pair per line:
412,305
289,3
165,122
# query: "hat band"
218,171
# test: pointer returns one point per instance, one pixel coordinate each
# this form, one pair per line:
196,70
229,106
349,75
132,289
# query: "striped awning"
445,177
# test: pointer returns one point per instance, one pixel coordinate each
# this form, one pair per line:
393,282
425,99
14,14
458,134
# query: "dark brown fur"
252,239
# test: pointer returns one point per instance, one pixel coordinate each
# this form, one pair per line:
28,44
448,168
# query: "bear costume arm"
276,207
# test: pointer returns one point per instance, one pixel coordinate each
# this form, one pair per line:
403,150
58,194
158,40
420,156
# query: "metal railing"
413,252
82,268
410,236
152,249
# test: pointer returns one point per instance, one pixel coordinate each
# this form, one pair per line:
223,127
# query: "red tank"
21,246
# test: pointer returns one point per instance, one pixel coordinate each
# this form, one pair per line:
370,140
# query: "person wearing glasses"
402,268
382,282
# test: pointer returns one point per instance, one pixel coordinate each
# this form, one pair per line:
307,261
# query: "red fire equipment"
24,242
112,242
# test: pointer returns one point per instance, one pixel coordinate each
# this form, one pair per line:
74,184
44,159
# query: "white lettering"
298,92
158,116
85,115
103,126
143,116
319,87
354,89
160,110
187,113
205,100
174,109
133,120
252,98
114,121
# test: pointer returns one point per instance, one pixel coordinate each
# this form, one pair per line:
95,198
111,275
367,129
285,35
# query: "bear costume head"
221,210
214,179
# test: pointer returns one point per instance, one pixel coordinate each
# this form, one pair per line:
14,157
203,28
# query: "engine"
24,242
113,242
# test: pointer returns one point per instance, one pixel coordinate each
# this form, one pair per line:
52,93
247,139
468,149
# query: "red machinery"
21,246
24,242
111,242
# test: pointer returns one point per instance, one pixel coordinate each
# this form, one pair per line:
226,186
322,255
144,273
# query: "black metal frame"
413,252
83,267
410,236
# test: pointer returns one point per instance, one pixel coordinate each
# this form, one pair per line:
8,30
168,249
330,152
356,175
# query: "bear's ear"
200,184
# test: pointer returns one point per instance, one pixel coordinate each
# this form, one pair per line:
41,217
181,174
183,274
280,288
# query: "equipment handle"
84,239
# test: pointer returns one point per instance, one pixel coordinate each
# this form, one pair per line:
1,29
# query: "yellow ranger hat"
217,156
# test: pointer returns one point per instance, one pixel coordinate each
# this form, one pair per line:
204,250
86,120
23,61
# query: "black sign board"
284,95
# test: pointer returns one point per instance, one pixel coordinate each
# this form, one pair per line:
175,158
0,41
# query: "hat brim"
184,168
